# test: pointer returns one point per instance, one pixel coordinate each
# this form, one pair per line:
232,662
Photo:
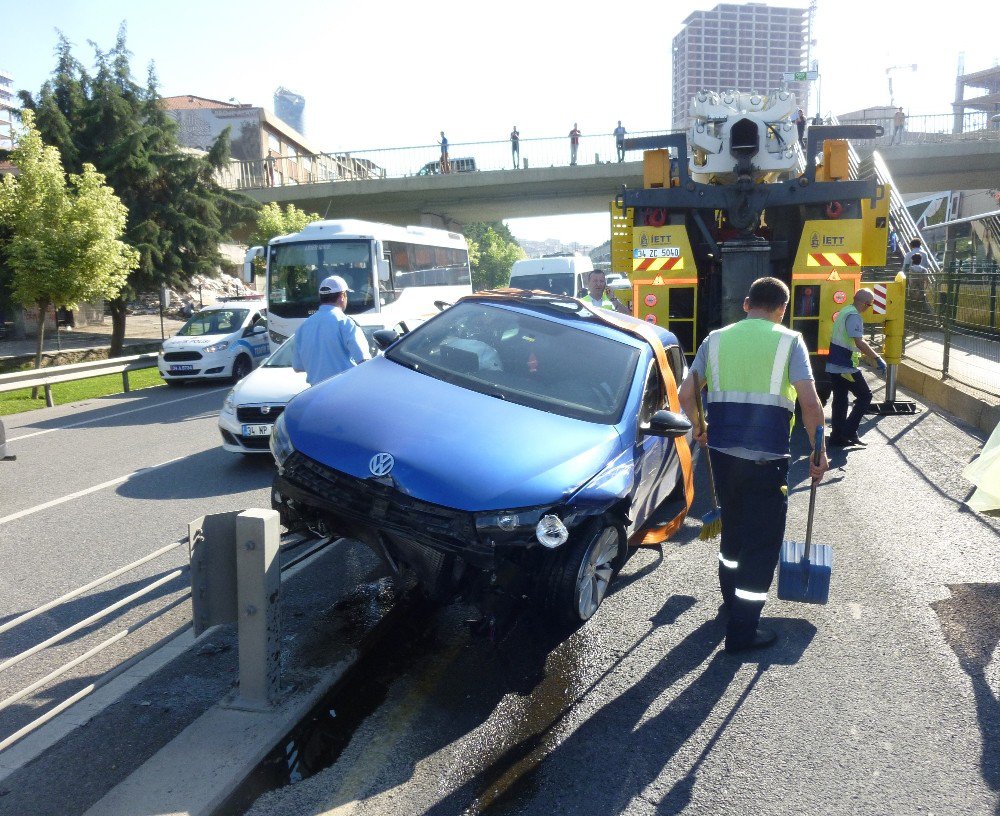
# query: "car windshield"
282,358
216,321
529,359
555,283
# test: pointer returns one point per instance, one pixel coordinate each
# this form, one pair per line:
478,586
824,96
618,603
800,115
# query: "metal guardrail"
250,607
404,162
49,376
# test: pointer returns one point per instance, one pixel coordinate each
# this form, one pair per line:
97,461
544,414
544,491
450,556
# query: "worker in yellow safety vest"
753,370
599,296
847,344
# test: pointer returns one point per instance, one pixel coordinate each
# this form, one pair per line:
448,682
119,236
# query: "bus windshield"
295,272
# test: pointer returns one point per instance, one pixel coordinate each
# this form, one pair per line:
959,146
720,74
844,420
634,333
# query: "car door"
260,345
652,453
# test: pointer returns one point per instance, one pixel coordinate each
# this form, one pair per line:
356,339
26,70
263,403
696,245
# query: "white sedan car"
257,400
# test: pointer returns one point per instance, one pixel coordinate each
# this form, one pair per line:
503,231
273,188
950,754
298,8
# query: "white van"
556,274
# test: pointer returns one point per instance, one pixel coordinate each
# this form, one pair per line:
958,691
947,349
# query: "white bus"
397,273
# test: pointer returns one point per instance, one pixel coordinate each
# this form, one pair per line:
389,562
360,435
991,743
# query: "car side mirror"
383,271
667,424
384,338
441,305
260,328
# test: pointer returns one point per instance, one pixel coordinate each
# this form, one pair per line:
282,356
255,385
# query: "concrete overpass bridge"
925,163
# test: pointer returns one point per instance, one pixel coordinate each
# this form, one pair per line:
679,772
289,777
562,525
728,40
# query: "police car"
226,340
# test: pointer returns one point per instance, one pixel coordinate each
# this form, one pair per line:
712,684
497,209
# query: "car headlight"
277,337
217,347
551,532
229,405
281,443
523,524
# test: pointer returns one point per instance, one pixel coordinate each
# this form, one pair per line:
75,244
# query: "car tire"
579,577
241,367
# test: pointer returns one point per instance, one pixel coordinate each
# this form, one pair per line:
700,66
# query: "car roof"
243,303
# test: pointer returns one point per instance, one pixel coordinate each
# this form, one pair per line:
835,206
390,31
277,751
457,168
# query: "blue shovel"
804,569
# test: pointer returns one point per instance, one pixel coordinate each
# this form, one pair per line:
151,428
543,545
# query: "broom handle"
817,447
702,429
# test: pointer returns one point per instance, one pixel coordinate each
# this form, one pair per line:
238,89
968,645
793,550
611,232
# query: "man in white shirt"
329,342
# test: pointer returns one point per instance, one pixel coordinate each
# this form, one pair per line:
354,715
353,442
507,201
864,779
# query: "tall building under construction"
745,47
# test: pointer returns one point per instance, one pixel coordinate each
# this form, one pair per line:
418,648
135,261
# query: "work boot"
761,639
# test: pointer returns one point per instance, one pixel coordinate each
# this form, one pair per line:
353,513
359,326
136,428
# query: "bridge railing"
930,129
403,162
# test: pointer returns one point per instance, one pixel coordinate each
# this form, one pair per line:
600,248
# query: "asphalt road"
887,700
98,485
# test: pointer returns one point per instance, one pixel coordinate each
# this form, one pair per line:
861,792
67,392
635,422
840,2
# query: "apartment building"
8,104
745,47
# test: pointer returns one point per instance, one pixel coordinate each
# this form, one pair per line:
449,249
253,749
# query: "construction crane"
888,75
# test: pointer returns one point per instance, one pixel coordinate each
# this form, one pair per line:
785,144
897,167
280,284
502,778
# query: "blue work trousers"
754,508
843,425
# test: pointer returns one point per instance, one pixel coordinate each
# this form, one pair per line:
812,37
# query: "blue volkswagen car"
512,440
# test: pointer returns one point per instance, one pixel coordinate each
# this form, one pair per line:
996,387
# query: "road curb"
977,408
201,768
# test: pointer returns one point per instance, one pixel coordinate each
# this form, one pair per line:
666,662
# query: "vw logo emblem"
381,464
265,410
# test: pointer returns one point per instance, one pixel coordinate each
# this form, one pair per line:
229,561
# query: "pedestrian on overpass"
847,344
515,147
898,125
445,164
754,371
620,141
329,342
599,296
574,143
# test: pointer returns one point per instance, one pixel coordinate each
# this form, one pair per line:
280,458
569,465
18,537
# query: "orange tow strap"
656,535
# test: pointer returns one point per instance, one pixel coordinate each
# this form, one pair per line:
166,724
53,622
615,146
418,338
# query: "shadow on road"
970,622
208,474
131,409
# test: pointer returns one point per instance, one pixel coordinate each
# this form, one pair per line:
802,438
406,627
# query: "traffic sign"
801,76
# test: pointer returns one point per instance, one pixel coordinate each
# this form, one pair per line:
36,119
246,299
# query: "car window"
652,394
532,360
216,321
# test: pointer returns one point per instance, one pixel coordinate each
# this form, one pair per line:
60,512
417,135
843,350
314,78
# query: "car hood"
269,386
450,446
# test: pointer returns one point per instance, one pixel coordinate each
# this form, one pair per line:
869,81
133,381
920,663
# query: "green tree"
177,212
273,221
492,252
63,239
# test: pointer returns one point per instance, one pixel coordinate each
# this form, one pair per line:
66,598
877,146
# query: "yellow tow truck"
751,202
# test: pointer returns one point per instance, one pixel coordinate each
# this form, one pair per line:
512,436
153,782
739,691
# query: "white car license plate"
257,430
182,368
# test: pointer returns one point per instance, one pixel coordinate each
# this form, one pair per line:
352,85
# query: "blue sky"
386,74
